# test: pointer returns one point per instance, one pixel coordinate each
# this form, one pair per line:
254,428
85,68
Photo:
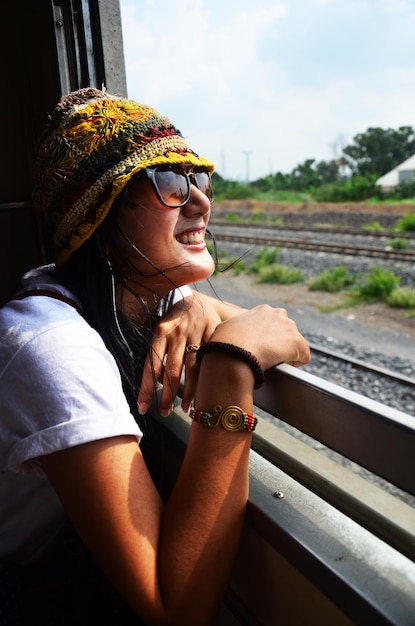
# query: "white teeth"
190,238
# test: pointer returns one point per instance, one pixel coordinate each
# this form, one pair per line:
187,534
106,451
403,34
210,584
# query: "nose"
198,202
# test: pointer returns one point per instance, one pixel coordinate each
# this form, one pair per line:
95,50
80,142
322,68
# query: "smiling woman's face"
173,239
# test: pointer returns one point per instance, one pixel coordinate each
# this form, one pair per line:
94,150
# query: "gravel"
394,394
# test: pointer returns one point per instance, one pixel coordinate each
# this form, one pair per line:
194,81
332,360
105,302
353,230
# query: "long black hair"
89,275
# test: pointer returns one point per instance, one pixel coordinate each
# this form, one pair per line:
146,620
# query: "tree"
304,175
378,151
273,182
313,174
329,171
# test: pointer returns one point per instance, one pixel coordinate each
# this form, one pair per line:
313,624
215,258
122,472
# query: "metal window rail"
322,543
374,436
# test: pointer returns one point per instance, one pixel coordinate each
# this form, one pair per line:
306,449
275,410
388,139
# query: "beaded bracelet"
232,418
229,348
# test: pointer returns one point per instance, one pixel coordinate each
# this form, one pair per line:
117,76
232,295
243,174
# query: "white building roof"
403,172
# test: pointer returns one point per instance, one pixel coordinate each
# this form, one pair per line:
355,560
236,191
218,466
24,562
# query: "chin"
196,273
205,270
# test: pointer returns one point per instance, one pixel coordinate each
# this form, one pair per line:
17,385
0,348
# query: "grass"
238,266
406,223
269,271
402,298
333,281
280,274
247,192
257,216
399,243
296,197
377,285
376,226
390,201
233,218
264,258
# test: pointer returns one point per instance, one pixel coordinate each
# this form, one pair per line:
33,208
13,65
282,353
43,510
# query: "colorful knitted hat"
95,143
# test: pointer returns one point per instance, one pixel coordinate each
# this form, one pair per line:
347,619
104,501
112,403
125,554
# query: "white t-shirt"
59,387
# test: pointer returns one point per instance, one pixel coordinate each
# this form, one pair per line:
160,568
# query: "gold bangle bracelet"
231,418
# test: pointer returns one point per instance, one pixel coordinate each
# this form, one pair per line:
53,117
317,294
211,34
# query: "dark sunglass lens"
204,183
173,187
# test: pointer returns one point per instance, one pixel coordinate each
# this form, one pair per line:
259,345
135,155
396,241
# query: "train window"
78,44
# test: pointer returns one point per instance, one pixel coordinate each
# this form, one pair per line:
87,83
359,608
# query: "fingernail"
143,408
166,412
186,406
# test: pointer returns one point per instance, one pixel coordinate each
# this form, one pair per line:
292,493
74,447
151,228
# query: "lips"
191,238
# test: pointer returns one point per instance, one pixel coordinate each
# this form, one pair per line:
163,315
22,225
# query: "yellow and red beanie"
95,143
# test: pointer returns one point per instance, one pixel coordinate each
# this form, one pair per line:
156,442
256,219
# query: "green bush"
280,274
399,243
286,195
374,226
378,284
239,266
406,190
333,280
406,223
232,217
402,298
348,190
264,258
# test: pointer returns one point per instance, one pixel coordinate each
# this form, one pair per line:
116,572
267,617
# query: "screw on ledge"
278,494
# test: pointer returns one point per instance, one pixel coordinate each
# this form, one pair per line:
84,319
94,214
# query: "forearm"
203,518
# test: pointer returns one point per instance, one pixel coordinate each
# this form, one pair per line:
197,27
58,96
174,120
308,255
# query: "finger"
152,373
302,358
190,381
171,380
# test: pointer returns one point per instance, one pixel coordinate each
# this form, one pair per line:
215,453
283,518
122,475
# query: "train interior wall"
30,87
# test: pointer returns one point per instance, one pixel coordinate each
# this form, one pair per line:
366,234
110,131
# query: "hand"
268,333
190,321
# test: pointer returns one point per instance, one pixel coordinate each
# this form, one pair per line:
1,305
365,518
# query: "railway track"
331,230
309,244
392,377
392,386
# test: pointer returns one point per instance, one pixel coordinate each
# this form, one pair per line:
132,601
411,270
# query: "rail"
364,366
333,248
322,544
326,229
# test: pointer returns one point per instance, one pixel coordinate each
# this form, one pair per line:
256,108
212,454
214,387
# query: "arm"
172,563
224,310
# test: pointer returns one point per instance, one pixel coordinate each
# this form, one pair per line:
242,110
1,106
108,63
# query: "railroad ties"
228,232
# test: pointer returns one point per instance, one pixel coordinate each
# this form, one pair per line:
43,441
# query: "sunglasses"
172,184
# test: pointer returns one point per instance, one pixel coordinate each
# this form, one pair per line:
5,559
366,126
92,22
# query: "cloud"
271,84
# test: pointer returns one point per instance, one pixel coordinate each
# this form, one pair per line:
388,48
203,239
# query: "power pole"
247,154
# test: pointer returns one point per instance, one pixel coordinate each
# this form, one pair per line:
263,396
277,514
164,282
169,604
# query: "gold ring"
192,347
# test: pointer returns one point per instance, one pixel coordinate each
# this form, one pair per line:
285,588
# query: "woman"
82,349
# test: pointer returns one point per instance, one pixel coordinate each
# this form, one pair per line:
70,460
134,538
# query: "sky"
259,87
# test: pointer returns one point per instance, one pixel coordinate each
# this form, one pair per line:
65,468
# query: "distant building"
403,173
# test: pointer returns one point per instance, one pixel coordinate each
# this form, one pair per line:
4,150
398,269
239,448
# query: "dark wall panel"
47,47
